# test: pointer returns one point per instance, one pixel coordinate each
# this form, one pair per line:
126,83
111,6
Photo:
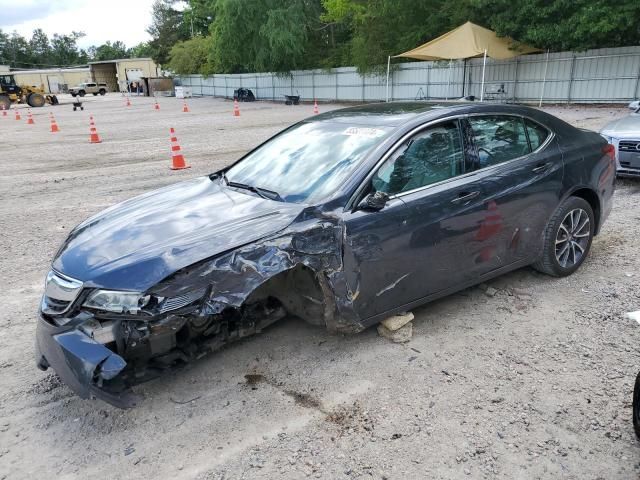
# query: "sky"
101,20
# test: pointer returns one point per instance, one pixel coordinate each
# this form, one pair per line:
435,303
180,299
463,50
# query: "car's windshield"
308,162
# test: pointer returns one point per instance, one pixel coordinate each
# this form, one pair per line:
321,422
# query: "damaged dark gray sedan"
341,220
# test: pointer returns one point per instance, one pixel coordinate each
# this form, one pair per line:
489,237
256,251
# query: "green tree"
39,48
110,51
191,56
16,51
386,27
64,49
199,15
4,45
142,50
61,51
566,24
167,28
266,35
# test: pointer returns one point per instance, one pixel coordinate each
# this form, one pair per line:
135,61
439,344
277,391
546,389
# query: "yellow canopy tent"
467,41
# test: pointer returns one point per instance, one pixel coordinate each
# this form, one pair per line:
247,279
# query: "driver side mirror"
374,202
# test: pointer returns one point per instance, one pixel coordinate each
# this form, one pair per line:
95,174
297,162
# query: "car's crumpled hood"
135,244
623,127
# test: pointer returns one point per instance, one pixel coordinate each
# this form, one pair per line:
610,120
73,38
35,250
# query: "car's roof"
381,114
394,114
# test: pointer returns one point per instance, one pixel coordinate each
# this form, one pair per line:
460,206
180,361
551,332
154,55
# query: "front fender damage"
315,244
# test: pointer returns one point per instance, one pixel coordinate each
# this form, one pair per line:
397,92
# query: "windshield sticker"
364,132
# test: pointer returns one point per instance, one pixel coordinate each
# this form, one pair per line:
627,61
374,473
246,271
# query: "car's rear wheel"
636,406
567,238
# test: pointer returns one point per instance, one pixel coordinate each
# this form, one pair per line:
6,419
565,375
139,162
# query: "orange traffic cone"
18,117
4,111
30,118
315,107
54,125
128,104
93,133
236,108
177,160
185,108
156,105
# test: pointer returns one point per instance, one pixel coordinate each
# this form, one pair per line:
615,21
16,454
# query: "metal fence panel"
603,75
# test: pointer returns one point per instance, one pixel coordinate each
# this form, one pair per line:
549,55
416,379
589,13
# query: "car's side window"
430,156
537,133
498,138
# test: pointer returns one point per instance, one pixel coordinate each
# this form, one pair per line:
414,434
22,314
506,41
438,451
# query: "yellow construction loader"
12,93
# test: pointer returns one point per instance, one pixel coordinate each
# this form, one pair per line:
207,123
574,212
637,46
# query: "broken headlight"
116,301
134,302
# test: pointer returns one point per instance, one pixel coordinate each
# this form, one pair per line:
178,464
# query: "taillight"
609,150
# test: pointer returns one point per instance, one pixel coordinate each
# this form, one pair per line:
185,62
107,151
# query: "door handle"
465,197
542,167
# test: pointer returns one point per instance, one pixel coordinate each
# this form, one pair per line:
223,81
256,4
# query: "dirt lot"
534,382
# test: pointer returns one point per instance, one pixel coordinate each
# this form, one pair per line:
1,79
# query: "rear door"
522,169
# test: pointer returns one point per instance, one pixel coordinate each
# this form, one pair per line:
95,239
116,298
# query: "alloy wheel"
573,238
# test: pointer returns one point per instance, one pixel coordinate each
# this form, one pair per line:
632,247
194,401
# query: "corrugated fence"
606,75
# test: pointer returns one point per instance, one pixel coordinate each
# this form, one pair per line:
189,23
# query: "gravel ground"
532,382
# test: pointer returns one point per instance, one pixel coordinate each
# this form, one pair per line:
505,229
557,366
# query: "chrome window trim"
424,126
60,287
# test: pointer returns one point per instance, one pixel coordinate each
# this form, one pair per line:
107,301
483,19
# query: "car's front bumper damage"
85,365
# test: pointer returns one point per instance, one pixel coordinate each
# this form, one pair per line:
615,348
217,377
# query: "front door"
417,244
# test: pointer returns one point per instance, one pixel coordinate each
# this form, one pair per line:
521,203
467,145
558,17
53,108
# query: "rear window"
537,133
499,138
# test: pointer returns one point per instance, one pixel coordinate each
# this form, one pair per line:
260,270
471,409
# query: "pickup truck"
83,88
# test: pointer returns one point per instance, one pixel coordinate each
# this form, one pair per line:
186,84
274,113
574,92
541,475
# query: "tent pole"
464,75
484,65
448,82
544,78
388,67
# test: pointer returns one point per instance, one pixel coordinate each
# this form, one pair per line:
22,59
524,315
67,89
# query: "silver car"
624,135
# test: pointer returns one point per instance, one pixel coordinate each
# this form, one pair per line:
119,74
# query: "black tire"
102,92
74,109
36,100
553,252
82,93
636,406
5,102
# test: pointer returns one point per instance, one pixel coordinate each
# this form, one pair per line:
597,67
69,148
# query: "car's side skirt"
443,293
